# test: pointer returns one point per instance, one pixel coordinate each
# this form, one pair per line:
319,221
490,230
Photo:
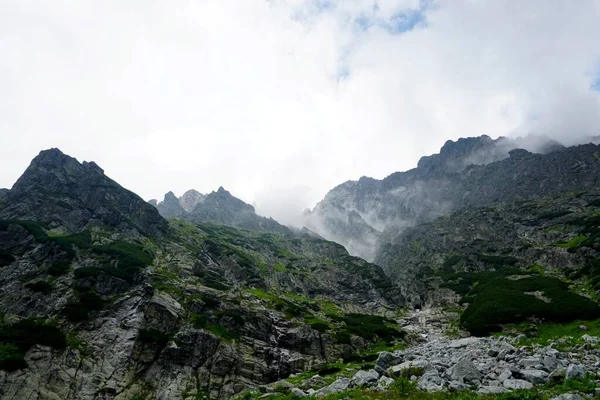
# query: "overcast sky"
279,101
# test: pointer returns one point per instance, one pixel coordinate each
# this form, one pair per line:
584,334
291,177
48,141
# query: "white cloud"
279,101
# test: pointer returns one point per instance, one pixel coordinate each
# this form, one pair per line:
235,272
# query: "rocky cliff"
469,172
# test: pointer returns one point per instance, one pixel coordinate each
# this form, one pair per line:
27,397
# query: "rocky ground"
437,362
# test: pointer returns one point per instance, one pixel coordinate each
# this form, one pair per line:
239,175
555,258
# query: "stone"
568,396
506,374
385,360
550,363
491,390
397,369
465,371
535,376
575,371
460,343
363,378
431,382
384,383
517,384
298,392
338,385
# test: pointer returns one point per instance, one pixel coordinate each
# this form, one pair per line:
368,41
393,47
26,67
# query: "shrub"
40,286
59,267
83,240
497,260
371,327
502,301
16,339
12,357
79,310
128,254
5,258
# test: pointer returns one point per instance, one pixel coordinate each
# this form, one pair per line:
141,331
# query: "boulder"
364,378
339,385
575,371
568,396
465,371
517,384
535,376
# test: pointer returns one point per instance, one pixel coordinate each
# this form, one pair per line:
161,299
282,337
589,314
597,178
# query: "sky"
279,101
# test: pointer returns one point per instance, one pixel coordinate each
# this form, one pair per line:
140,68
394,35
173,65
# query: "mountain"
102,297
190,199
70,196
468,172
219,207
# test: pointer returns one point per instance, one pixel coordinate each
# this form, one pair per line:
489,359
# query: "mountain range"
106,296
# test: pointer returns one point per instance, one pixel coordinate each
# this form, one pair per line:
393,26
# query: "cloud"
284,99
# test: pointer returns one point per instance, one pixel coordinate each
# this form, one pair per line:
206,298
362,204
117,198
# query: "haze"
279,101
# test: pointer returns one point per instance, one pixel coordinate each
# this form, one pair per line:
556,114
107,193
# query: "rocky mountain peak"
190,199
68,195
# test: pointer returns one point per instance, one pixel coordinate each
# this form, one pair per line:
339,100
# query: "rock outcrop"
59,191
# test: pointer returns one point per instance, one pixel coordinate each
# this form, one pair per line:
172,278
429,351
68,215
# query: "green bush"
59,267
5,258
501,300
80,309
40,286
35,228
12,358
82,240
371,327
16,339
128,254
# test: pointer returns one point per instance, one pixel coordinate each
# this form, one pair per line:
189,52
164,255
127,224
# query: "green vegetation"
82,240
316,323
36,229
576,242
5,258
59,267
504,300
200,321
153,336
86,302
370,327
280,268
566,335
403,388
16,339
40,286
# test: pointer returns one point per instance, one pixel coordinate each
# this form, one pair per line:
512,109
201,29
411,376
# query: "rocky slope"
469,172
102,298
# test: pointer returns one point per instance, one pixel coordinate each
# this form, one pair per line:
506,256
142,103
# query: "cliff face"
101,297
467,173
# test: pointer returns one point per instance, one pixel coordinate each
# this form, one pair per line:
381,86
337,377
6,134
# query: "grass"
370,327
403,388
547,332
279,268
576,242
